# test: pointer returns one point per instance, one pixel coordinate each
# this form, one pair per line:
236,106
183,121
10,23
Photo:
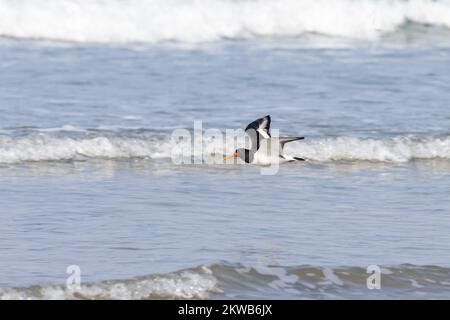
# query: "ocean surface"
91,92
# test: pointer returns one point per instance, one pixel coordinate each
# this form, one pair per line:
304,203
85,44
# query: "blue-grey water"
86,176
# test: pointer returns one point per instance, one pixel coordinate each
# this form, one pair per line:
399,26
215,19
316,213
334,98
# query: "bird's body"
265,150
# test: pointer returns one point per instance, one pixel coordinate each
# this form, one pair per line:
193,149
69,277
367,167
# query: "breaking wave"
397,149
246,282
53,145
198,283
195,21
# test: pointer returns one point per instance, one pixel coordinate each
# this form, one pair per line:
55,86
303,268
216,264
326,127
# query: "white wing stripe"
263,133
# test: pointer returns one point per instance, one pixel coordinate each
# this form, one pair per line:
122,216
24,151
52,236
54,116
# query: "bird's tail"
284,140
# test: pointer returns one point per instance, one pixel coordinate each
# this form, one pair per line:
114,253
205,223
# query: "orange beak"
233,155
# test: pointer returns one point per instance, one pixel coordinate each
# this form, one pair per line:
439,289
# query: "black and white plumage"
263,151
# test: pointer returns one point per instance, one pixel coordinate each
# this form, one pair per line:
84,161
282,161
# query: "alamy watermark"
211,147
374,280
73,282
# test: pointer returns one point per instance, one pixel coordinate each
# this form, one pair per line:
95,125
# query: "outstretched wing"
258,130
261,125
284,140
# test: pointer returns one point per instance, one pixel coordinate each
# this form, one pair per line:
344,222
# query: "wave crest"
55,146
194,21
198,283
237,281
398,149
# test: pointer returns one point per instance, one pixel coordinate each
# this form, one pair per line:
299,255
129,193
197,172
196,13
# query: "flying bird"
265,150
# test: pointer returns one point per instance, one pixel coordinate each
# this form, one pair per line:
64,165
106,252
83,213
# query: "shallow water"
86,177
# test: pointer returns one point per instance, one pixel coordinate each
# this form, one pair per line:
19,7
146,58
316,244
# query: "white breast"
268,153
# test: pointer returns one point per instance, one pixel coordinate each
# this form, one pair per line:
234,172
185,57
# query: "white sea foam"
331,277
225,280
196,283
193,21
398,149
48,146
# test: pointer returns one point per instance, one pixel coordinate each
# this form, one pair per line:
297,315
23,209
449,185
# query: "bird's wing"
284,140
261,125
258,130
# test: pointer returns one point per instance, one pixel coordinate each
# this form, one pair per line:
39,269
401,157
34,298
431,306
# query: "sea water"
92,91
